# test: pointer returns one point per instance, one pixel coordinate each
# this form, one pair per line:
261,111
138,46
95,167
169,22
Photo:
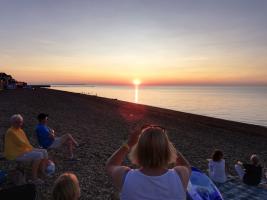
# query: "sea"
246,104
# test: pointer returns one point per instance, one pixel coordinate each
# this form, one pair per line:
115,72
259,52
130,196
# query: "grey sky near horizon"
184,32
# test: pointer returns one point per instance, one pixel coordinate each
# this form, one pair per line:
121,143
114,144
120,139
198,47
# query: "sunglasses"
154,127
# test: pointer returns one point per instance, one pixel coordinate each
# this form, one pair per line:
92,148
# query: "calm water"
244,104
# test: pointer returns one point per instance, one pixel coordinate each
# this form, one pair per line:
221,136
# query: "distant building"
8,82
21,84
1,84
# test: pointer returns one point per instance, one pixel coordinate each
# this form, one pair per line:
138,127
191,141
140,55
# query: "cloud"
45,42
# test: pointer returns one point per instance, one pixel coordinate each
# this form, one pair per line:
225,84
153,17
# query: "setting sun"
136,82
110,72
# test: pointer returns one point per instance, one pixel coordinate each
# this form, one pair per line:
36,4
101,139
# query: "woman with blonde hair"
151,150
66,187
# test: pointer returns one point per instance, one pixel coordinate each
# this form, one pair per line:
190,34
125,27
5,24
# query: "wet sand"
101,125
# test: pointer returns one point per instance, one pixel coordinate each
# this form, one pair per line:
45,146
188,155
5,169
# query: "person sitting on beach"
217,167
66,187
17,147
151,150
251,174
47,138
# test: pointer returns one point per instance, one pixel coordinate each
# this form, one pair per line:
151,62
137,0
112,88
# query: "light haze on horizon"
116,41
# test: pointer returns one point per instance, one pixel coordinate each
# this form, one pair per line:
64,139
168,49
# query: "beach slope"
101,125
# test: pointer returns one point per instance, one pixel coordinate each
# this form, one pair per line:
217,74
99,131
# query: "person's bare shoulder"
184,174
118,174
182,170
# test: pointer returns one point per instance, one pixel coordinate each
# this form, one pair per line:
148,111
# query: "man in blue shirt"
47,138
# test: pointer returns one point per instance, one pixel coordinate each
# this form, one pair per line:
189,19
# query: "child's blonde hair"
66,187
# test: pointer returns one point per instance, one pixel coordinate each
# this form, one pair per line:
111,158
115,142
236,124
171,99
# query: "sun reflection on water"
136,94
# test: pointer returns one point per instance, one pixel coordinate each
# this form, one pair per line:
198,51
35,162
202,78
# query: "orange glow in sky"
176,42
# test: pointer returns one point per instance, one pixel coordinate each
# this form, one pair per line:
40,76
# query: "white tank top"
217,171
138,186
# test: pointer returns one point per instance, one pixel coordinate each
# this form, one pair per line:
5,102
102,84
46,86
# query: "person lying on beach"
17,147
66,187
48,140
151,150
251,174
217,167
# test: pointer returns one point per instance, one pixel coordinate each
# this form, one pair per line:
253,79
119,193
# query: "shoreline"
215,119
101,125
241,109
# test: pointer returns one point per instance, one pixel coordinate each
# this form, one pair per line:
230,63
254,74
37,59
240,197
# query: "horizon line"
164,84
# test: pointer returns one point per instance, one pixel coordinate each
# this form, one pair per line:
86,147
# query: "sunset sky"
116,41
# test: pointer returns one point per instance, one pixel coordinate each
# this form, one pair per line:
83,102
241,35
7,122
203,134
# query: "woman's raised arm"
114,163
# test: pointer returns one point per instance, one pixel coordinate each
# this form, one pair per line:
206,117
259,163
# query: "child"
217,167
66,187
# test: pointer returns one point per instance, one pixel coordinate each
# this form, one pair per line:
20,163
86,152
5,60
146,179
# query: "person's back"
151,150
253,174
137,186
217,171
217,167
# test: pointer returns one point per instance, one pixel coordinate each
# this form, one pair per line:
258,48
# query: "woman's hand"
133,137
114,163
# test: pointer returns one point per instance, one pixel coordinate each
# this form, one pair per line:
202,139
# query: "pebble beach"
101,125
